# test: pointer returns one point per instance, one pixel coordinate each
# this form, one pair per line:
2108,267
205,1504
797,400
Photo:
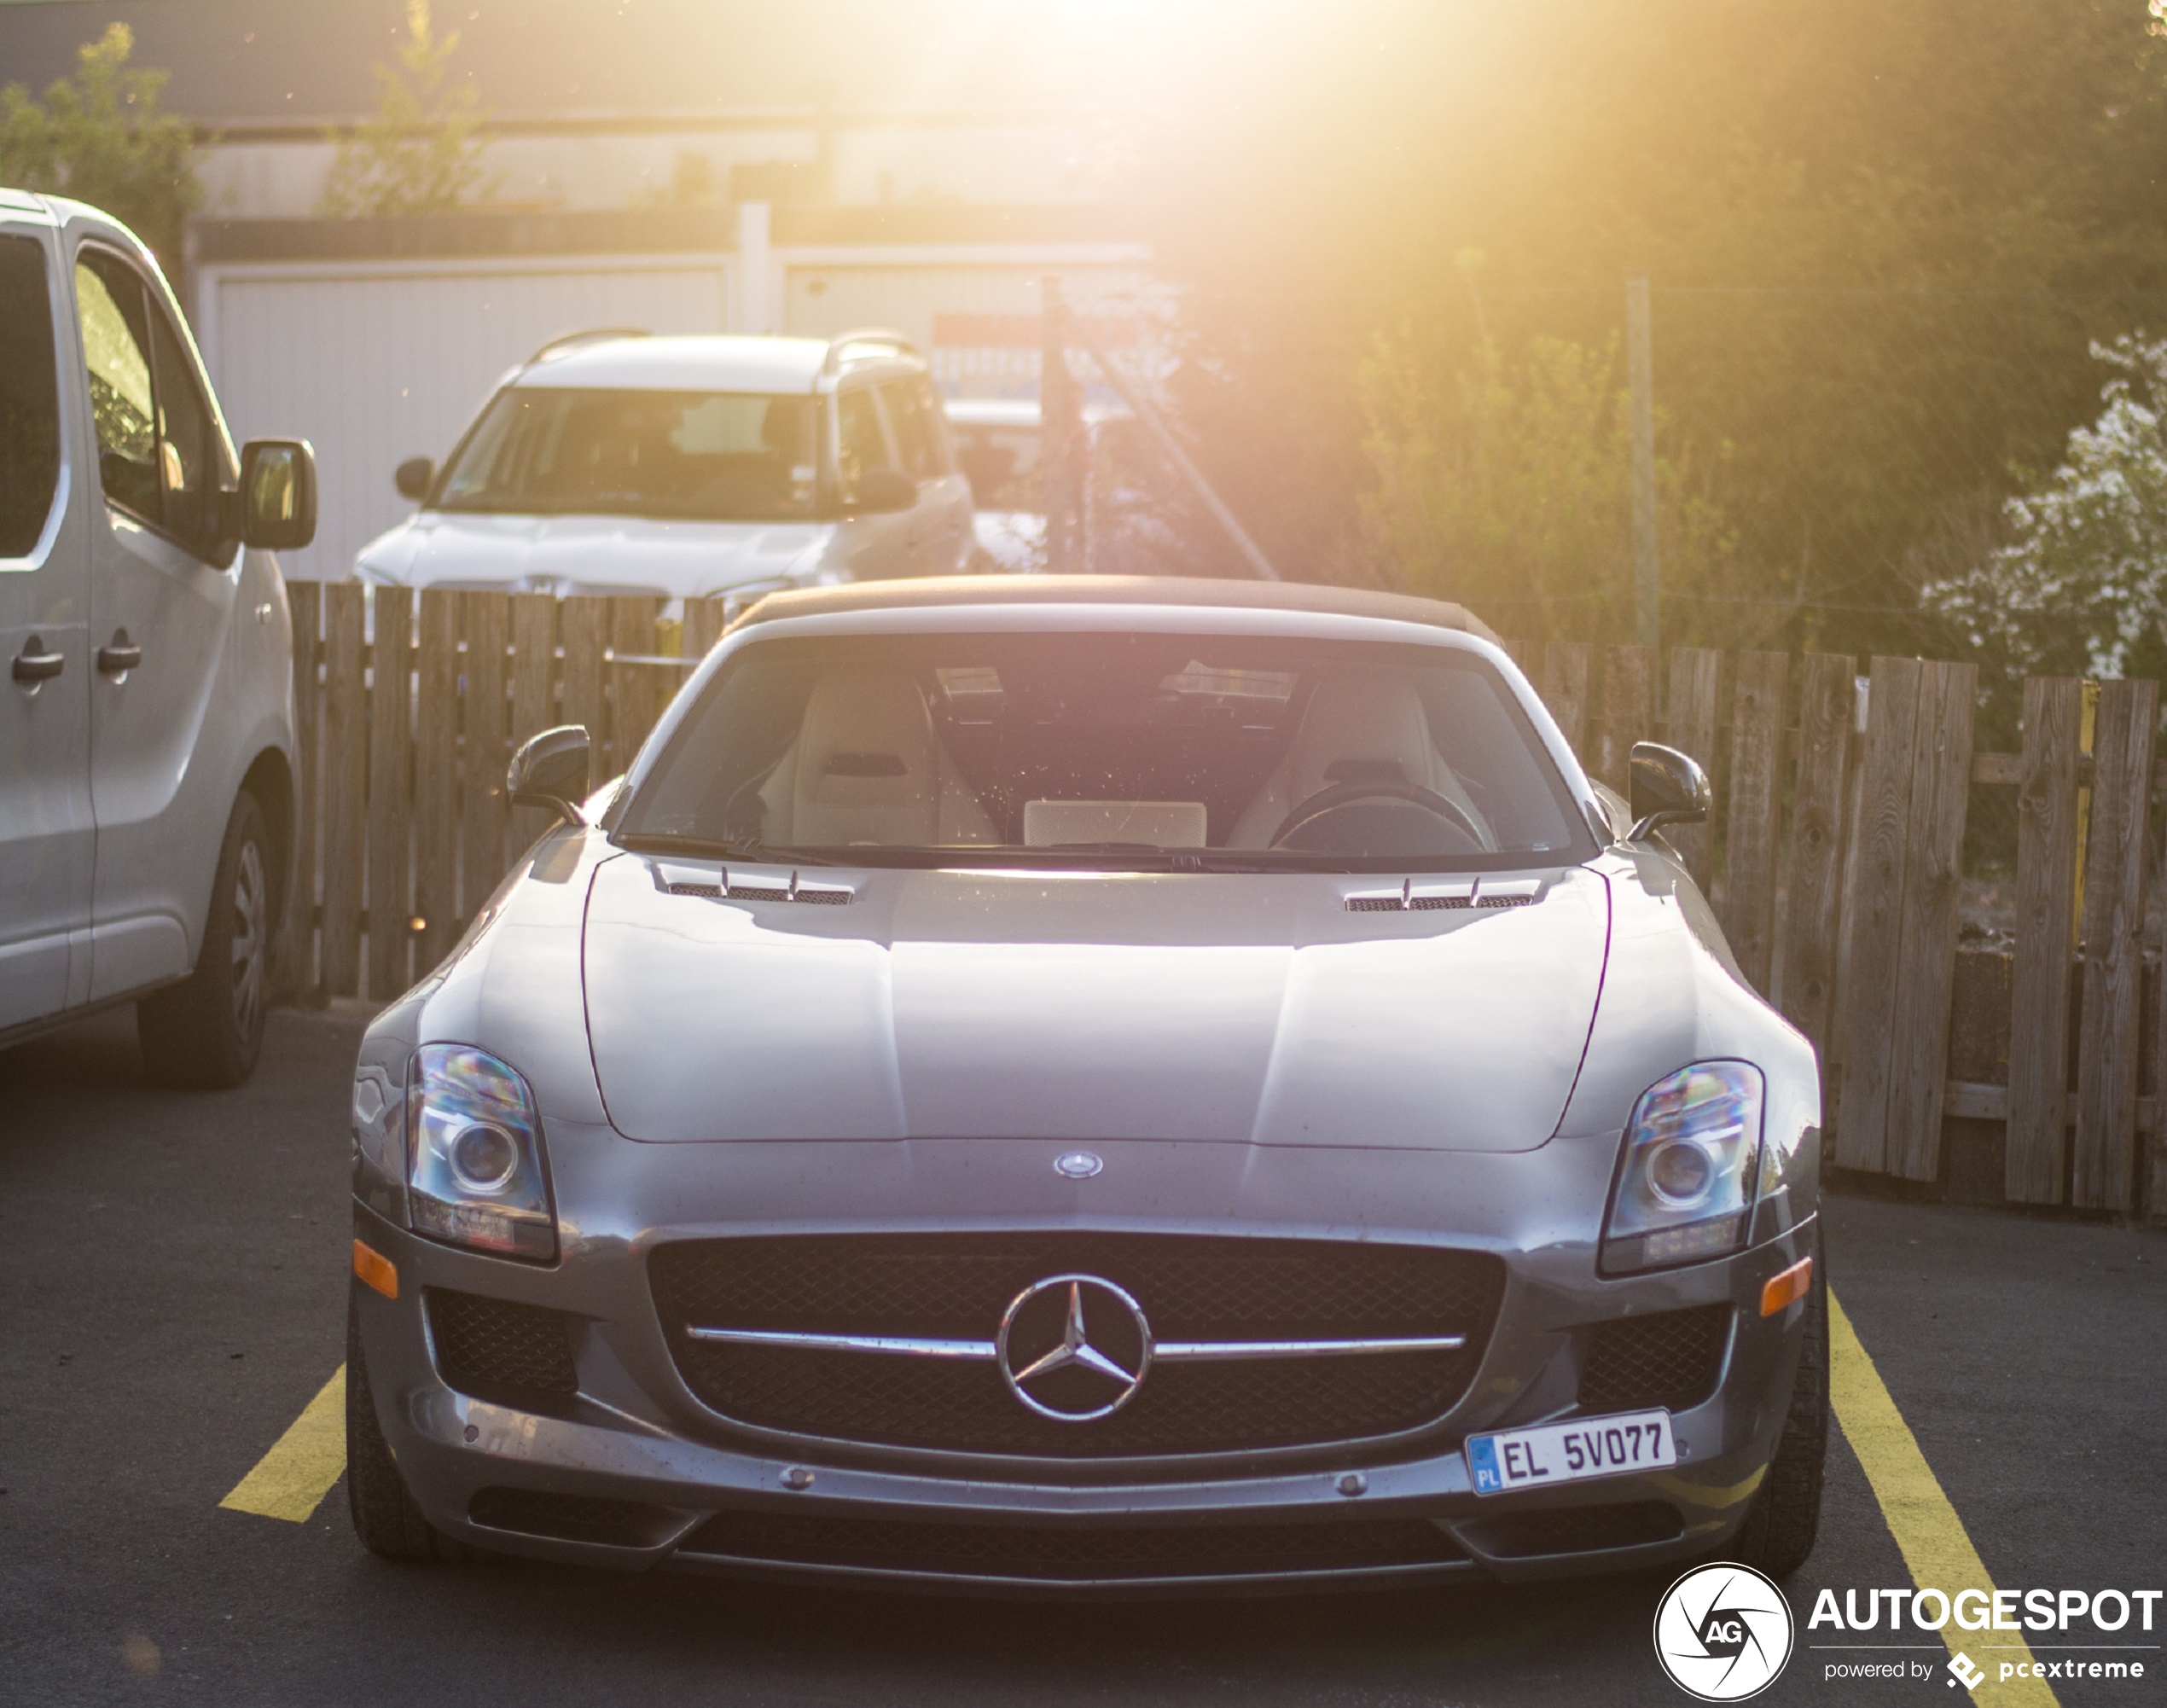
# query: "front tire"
385,1517
207,1031
1785,1517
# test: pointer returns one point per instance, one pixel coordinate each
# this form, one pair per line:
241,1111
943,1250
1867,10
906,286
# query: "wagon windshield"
1108,750
718,456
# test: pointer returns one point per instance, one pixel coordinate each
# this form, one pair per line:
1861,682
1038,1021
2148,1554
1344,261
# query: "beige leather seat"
868,768
1361,725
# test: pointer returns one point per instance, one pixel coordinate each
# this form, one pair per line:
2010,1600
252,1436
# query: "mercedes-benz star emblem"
1074,1348
1076,1164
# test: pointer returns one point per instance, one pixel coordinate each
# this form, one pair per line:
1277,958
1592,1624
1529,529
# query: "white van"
146,725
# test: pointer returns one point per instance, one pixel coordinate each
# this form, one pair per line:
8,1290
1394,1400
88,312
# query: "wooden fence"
1834,860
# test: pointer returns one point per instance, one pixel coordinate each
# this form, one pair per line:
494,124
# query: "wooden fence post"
1689,724
585,628
2105,1175
304,599
345,762
534,692
485,617
1753,813
436,779
1814,914
2035,1146
1565,689
632,686
389,814
1629,710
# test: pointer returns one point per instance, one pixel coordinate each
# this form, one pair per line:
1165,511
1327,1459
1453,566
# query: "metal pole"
1640,367
1057,419
1189,472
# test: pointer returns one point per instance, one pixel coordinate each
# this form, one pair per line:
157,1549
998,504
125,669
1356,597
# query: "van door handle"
34,664
121,654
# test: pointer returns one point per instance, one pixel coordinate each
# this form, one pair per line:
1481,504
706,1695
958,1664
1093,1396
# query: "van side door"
163,588
939,535
46,829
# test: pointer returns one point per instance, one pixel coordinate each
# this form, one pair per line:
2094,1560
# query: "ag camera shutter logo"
1722,1633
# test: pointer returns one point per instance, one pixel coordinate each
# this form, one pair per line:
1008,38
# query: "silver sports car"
1092,1086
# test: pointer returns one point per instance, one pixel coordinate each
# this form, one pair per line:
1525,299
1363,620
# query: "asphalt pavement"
173,1268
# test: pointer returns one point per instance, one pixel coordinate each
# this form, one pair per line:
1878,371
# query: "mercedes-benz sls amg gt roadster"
1092,1086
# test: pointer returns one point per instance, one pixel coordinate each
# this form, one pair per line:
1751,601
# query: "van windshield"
719,456
1109,750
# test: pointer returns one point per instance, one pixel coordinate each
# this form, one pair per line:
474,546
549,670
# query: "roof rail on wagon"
872,337
592,336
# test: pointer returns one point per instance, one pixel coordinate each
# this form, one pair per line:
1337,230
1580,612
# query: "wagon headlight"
474,1162
1685,1175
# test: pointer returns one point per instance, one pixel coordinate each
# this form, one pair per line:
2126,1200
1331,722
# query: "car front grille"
1670,1359
1045,1555
494,1349
1200,1288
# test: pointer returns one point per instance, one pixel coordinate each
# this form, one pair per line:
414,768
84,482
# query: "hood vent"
750,887
1427,897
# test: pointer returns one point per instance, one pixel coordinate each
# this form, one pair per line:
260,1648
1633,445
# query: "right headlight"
475,1173
1686,1171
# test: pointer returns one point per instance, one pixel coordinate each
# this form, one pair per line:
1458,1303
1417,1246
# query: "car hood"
1244,1008
591,553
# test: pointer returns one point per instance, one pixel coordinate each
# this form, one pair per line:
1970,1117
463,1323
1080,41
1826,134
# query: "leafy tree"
99,137
421,153
2078,583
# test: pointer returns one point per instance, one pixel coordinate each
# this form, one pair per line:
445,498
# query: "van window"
30,403
864,446
914,414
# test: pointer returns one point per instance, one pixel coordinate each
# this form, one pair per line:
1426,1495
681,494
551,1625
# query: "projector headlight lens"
476,1171
1687,1170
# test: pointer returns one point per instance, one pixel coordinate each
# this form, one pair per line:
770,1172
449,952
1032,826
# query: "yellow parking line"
1935,1544
291,1480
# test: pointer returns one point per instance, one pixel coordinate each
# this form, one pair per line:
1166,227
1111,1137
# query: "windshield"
1108,750
717,456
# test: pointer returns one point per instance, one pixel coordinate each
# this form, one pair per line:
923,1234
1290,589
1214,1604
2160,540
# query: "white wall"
376,361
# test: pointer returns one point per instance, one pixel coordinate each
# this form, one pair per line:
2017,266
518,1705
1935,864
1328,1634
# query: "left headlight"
1687,1174
474,1163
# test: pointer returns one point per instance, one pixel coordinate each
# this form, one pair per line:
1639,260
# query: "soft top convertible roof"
932,591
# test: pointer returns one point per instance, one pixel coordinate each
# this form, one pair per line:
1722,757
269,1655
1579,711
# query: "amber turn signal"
1786,1288
377,1270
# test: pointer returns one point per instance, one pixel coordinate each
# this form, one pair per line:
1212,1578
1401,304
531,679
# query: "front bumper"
634,1474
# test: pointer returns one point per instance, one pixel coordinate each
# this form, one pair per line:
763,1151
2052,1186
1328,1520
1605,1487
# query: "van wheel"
1785,1517
207,1031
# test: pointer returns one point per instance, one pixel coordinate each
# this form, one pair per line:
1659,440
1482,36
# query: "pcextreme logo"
1722,1633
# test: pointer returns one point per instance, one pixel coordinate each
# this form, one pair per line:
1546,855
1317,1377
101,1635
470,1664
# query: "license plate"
1571,1452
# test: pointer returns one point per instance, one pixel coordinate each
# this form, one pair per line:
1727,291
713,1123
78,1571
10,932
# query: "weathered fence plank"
436,779
346,762
703,627
485,618
1940,796
2104,1177
585,628
1814,900
638,691
534,689
1565,667
305,604
1753,811
1875,912
1629,710
1690,726
2036,1147
390,813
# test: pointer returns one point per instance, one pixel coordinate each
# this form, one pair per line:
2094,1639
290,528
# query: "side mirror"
412,477
550,769
277,494
883,492
1668,787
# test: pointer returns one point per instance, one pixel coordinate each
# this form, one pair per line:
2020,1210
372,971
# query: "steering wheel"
1334,796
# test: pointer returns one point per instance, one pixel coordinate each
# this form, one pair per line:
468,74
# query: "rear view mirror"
1668,787
883,492
550,769
277,494
412,477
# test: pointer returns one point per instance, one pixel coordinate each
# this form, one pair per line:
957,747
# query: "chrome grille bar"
1165,1351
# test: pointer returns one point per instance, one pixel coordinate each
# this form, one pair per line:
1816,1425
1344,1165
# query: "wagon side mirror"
883,492
1667,788
412,477
550,769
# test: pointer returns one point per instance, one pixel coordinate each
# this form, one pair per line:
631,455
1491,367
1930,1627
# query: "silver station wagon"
1092,1086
